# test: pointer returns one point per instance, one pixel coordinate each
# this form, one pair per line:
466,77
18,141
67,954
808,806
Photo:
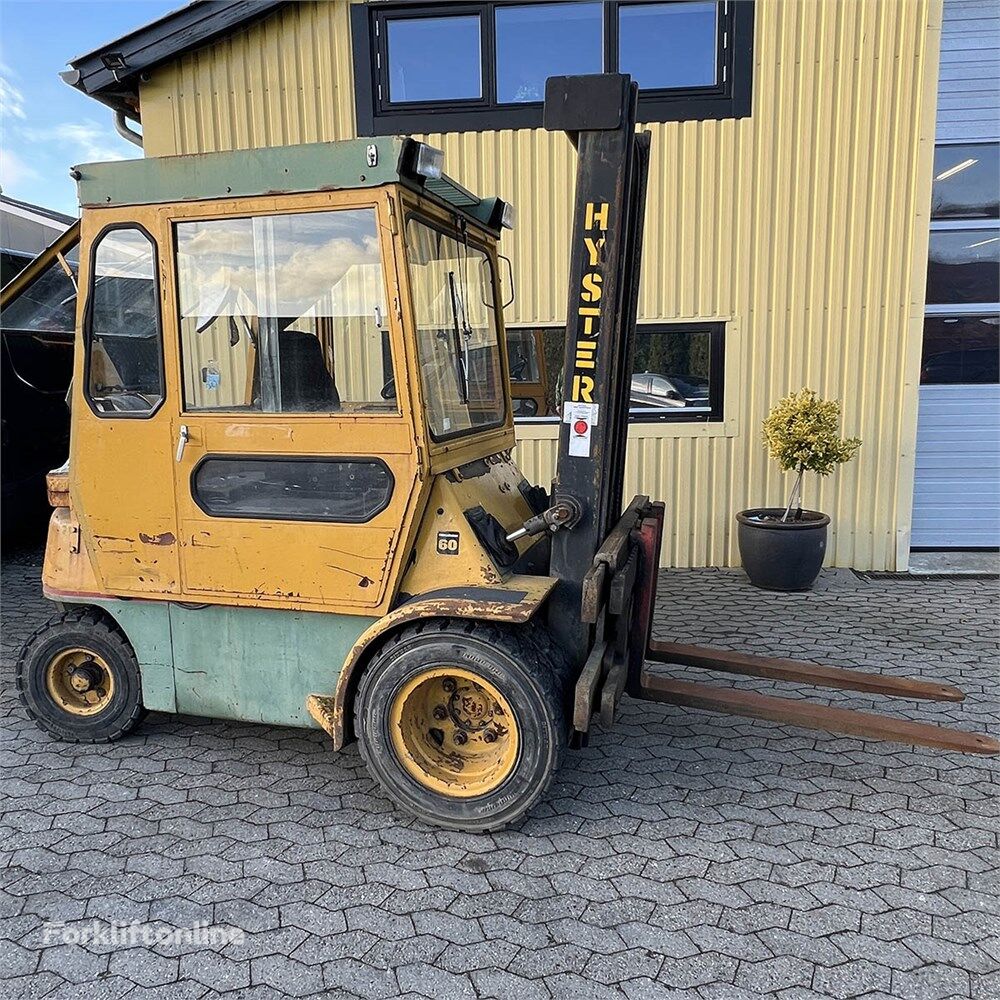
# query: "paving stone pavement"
681,855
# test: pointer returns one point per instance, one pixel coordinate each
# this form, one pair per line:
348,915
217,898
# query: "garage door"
956,499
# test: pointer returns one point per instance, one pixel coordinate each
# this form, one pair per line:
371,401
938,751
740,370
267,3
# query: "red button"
580,427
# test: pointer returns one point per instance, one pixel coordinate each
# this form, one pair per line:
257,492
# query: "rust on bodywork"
163,538
57,487
515,601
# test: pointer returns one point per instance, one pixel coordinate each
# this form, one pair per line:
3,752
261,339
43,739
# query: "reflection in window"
668,45
47,306
960,350
964,266
677,373
540,40
434,59
124,360
284,314
293,489
522,356
459,354
672,372
966,181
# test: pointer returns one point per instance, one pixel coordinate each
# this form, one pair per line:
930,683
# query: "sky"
46,126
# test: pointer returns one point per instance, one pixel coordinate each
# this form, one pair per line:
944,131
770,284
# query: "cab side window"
124,359
284,314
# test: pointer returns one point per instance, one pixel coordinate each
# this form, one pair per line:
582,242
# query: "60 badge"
447,543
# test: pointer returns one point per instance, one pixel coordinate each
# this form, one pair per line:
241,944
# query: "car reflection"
654,390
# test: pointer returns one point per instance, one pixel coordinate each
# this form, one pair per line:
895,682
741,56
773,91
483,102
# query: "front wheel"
462,724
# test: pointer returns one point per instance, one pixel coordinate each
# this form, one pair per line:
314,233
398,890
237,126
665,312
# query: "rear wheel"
462,723
78,679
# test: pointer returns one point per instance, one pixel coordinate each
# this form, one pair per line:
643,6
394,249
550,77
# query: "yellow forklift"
290,496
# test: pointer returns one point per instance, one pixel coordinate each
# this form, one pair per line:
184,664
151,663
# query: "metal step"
777,669
803,713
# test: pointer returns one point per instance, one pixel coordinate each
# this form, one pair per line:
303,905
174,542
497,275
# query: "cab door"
122,404
295,466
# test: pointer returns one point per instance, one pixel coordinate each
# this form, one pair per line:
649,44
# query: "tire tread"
526,643
103,625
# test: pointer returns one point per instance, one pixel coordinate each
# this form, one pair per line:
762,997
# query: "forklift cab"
266,385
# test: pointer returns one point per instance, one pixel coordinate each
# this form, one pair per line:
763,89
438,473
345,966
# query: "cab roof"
321,166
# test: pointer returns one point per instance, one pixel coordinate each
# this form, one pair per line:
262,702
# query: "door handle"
183,436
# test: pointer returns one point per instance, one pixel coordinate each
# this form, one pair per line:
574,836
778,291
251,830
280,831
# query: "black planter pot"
782,555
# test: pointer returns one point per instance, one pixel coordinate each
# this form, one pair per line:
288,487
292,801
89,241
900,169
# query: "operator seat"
306,383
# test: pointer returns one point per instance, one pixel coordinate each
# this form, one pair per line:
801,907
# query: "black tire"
89,629
516,662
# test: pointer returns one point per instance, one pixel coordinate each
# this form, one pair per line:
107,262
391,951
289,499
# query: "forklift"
291,498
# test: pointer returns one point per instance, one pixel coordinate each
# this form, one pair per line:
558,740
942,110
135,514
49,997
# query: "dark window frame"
675,415
88,325
731,97
273,516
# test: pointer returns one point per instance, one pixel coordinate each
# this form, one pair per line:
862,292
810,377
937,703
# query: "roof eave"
111,73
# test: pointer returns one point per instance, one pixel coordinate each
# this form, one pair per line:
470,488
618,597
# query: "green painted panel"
242,172
258,664
147,627
317,166
248,664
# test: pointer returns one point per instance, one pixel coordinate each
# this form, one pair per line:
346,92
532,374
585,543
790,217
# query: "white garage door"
956,497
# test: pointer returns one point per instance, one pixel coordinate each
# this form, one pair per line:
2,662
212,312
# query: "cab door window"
124,357
284,314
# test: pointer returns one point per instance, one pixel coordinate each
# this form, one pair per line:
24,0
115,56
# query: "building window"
537,41
124,360
677,372
284,314
961,345
434,59
453,67
669,46
960,350
965,181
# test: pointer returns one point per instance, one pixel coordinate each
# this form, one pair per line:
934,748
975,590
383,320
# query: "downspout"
122,128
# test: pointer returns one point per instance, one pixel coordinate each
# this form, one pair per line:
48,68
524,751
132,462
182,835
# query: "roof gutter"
122,128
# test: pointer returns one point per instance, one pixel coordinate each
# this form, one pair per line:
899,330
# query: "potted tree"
783,548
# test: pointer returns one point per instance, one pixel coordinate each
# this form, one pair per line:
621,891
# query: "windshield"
457,344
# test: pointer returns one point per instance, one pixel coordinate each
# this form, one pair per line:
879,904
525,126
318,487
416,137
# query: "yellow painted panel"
803,226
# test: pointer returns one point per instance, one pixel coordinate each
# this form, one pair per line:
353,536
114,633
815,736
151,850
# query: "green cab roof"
320,166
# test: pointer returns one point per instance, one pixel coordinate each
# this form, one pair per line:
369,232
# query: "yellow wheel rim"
79,681
454,732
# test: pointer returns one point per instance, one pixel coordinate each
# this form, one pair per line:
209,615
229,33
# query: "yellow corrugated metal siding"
803,226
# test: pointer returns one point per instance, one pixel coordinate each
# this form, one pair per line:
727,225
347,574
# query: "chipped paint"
163,538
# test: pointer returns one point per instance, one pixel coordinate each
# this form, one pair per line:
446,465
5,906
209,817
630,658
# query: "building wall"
804,227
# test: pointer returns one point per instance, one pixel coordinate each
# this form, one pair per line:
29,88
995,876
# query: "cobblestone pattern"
681,855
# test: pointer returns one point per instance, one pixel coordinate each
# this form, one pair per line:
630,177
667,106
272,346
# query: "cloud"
85,141
13,169
11,98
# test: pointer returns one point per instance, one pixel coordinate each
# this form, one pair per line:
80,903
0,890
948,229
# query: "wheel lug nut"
489,736
448,684
440,712
460,738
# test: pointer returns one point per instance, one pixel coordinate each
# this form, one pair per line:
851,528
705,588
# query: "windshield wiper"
461,366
